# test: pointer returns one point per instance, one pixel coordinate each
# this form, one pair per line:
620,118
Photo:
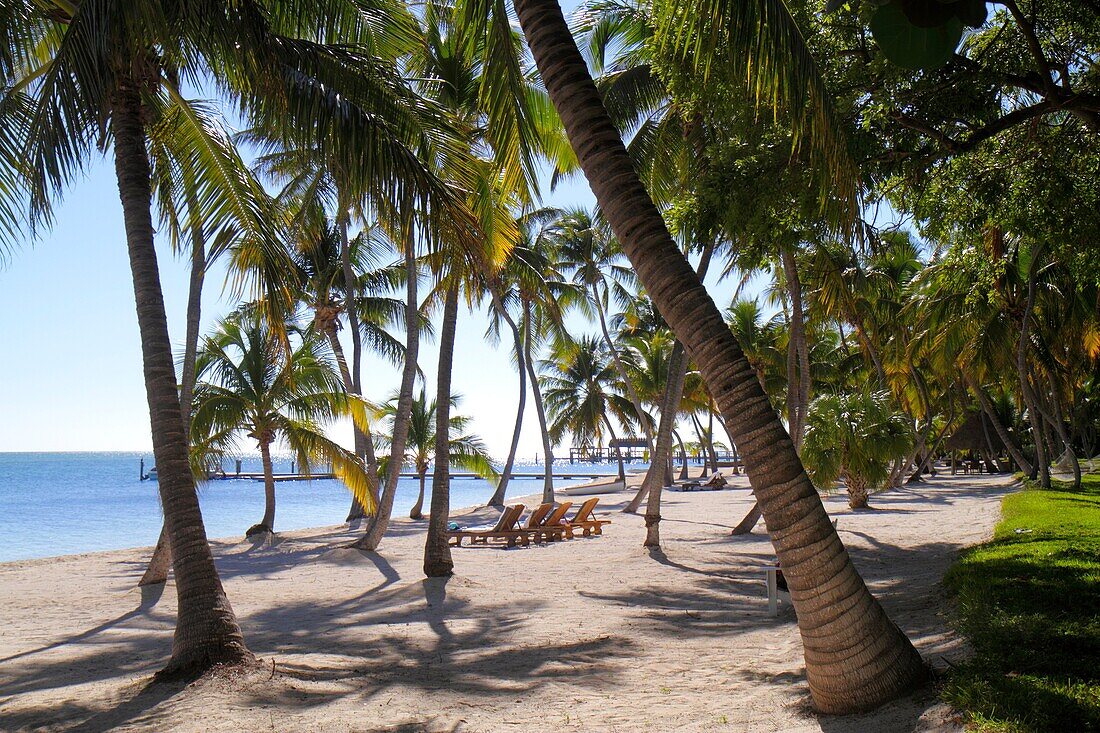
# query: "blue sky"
70,376
70,360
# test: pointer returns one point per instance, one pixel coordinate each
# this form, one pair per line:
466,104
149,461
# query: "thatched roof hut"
972,435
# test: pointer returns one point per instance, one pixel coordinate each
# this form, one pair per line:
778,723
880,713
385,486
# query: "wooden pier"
253,476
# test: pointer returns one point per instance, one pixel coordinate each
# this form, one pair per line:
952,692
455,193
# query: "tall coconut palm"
530,283
856,658
249,386
582,394
324,255
592,258
856,436
89,73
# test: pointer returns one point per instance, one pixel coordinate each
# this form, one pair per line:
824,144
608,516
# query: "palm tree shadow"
148,696
150,596
435,593
658,554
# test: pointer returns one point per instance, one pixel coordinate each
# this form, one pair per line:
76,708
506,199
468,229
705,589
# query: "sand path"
587,635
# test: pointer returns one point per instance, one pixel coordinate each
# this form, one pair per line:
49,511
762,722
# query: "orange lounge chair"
538,516
584,520
505,529
552,527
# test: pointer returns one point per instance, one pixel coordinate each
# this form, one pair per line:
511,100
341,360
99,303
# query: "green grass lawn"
1029,602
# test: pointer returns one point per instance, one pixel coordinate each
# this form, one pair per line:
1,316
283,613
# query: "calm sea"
65,503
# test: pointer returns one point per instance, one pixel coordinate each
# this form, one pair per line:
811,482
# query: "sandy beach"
583,635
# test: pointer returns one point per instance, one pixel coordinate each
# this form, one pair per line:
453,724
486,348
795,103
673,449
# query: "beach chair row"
545,524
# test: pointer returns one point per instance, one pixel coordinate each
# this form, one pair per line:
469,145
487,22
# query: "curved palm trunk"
437,551
267,524
632,393
161,561
677,370
709,458
206,628
364,448
656,474
381,520
540,410
856,658
746,525
674,392
801,350
1059,423
497,498
1002,432
683,456
417,512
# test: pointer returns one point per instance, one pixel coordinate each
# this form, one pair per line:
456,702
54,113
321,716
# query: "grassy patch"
1029,602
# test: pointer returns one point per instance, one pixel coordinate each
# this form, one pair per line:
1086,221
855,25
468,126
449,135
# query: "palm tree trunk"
417,512
267,524
1002,432
540,410
683,456
364,448
856,658
674,392
628,385
710,439
437,550
709,459
655,477
497,498
857,491
1025,380
381,520
206,628
746,525
618,449
798,343
670,405
161,561
1056,420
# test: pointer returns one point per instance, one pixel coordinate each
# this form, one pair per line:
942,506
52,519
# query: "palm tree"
856,658
466,451
80,73
530,282
400,429
858,436
581,391
590,255
250,386
324,255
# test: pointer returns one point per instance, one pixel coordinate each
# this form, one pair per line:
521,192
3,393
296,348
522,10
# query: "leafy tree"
735,36
465,451
857,436
248,385
582,393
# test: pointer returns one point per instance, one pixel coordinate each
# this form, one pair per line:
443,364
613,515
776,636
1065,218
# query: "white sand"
591,634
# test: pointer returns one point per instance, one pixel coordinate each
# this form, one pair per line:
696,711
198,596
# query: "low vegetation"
1029,602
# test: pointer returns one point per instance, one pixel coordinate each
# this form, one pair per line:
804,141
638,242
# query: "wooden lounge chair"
583,520
505,529
552,527
538,516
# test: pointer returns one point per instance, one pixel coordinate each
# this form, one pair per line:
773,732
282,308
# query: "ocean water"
65,503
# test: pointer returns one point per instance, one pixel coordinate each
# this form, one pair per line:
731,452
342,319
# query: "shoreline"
469,510
616,636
